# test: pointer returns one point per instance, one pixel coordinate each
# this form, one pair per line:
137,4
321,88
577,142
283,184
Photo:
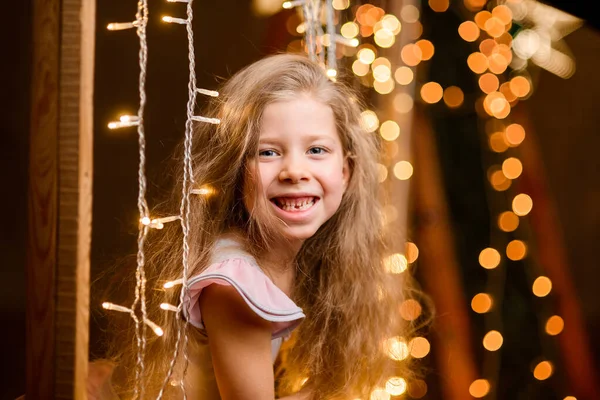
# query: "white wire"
329,11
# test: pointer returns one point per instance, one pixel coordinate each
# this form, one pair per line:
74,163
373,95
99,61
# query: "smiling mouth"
294,204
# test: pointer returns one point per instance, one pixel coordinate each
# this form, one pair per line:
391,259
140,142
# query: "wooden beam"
60,199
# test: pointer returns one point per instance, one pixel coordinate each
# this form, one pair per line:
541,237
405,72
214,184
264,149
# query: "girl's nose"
293,170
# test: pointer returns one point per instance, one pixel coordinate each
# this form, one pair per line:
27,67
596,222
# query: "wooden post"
60,199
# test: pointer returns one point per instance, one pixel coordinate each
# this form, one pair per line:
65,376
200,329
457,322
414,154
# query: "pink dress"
229,265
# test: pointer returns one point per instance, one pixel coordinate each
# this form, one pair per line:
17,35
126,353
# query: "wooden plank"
42,200
74,197
60,199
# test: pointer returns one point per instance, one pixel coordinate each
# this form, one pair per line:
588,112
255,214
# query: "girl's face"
301,165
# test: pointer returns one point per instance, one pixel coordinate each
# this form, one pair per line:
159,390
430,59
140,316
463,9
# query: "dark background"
229,36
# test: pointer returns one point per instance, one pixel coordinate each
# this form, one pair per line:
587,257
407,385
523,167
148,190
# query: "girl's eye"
267,153
317,150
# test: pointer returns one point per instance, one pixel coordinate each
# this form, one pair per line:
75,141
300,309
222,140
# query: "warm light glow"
508,221
477,62
498,142
349,30
498,181
410,309
382,173
386,87
492,340
554,325
341,4
543,370
474,5
542,286
381,61
382,73
359,68
439,5
404,75
503,13
411,54
366,55
570,398
512,168
403,103
453,96
417,389
395,386
384,38
488,83
145,221
479,388
379,394
369,121
508,94
494,27
481,303
481,18
396,348
391,23
427,49
419,347
469,31
515,134
395,263
520,86
497,63
522,204
389,130
412,252
431,92
489,258
410,13
403,170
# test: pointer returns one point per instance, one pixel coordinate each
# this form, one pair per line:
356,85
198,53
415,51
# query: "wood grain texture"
74,197
60,199
42,201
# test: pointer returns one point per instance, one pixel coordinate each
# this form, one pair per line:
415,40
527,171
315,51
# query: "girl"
286,249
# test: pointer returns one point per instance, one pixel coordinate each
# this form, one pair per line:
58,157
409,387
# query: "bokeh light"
396,386
431,92
488,83
417,389
410,309
481,303
512,168
404,75
453,96
492,340
469,31
396,348
411,54
477,62
489,258
369,121
515,134
389,130
427,49
522,204
395,263
479,388
543,370
508,221
516,250
403,170
439,5
403,103
554,325
542,286
419,347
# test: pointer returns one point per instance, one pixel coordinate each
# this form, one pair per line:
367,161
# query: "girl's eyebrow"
307,138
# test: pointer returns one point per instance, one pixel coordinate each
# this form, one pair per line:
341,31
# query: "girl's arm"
240,345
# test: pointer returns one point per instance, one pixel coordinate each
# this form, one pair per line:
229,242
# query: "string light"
119,26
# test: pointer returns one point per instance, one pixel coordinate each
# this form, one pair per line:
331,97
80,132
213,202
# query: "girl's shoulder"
233,266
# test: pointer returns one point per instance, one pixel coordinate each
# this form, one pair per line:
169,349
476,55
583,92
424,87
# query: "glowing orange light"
520,86
427,49
477,62
497,63
542,286
469,31
453,96
412,252
431,92
522,204
508,221
554,325
488,83
479,388
492,340
439,5
508,94
404,75
503,13
410,310
411,54
497,142
474,5
489,258
543,370
481,18
487,47
512,168
494,27
515,134
516,250
419,347
481,303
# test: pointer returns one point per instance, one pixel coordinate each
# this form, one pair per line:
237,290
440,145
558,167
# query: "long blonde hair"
350,301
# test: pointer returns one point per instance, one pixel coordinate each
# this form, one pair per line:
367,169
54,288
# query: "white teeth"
289,204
